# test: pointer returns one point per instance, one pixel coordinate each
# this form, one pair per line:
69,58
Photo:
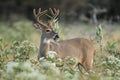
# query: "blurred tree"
95,12
70,9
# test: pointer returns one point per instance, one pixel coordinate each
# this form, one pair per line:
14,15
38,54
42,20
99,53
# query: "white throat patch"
46,40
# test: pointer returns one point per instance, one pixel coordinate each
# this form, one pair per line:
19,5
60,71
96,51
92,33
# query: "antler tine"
39,10
54,13
51,11
34,12
57,11
38,15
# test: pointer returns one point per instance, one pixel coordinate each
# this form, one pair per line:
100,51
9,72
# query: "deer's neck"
44,47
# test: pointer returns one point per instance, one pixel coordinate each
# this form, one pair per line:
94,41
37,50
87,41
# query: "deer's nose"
56,36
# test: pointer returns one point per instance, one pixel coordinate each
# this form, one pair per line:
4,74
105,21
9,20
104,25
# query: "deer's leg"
79,65
88,64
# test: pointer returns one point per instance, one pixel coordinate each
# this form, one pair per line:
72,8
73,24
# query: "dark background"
70,10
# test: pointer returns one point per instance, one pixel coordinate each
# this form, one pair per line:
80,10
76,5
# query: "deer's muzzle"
56,36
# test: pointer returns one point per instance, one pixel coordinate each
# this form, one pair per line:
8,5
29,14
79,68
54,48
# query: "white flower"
10,66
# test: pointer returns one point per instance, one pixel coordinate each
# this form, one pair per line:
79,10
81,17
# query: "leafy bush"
19,30
46,70
22,50
17,62
111,62
21,71
112,66
112,49
99,33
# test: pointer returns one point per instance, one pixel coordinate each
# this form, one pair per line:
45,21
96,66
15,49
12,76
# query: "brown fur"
79,48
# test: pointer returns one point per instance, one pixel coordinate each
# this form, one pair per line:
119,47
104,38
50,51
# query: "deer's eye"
47,31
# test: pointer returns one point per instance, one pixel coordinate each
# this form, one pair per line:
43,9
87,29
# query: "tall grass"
17,50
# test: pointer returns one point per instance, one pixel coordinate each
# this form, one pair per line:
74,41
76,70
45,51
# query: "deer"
79,48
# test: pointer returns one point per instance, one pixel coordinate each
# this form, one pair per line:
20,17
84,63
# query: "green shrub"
17,62
22,50
18,30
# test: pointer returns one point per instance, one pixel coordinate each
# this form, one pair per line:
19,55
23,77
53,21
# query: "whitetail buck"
79,48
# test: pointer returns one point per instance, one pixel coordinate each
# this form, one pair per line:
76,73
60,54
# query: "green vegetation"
17,51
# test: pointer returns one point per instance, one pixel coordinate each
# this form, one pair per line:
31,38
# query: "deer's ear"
37,26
